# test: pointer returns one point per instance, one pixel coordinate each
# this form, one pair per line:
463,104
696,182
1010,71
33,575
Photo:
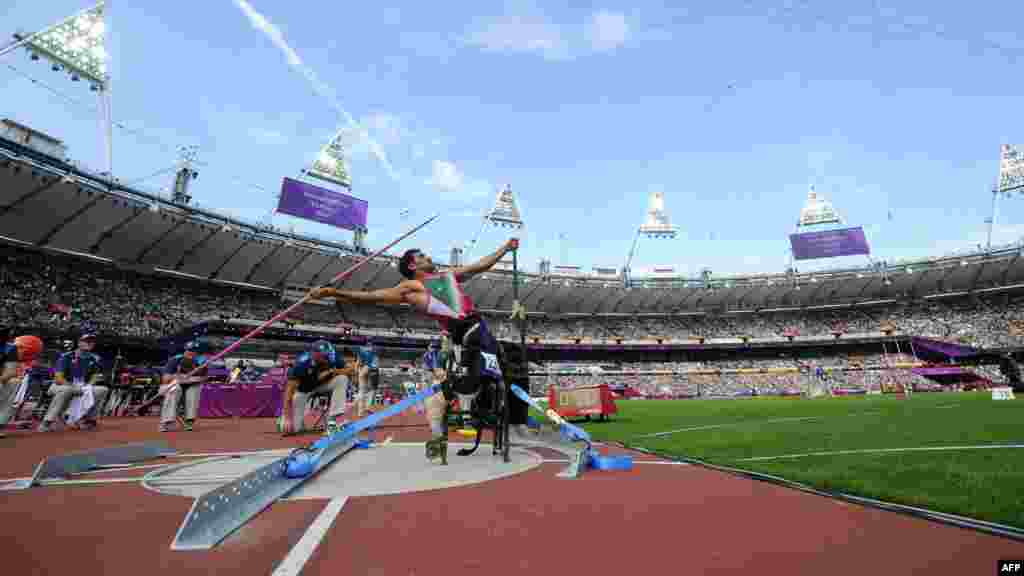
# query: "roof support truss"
46,184
109,232
191,251
298,262
71,218
230,257
256,266
142,254
320,272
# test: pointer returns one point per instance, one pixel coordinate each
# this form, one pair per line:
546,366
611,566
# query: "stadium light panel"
75,45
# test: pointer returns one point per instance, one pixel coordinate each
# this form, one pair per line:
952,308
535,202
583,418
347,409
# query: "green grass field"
980,483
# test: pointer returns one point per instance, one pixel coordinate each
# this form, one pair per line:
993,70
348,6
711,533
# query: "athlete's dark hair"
408,258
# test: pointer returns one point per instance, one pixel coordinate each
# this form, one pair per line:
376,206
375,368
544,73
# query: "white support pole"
105,91
106,130
992,218
472,244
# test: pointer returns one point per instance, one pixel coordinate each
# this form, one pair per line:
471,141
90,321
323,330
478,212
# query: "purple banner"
829,243
943,348
942,371
311,202
255,401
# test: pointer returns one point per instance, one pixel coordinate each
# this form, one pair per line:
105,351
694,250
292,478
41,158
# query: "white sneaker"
45,426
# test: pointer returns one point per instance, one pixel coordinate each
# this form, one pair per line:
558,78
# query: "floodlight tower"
817,214
504,214
331,165
185,175
77,46
1011,179
657,225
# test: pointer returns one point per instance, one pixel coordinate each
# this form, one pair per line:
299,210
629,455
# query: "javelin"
341,276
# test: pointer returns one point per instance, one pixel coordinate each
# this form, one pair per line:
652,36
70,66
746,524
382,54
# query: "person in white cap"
75,386
178,383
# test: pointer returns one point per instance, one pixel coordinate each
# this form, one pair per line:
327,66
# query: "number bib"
490,365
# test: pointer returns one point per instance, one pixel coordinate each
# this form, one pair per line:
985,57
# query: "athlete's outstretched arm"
393,295
487,262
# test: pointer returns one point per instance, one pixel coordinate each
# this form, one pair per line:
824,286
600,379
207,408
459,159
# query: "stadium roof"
49,204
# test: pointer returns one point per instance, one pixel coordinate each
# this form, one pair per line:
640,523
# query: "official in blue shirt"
368,374
434,358
75,371
317,371
176,370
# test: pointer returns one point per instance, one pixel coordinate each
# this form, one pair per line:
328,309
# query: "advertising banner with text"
311,202
829,243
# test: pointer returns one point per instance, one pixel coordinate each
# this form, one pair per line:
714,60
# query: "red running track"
654,519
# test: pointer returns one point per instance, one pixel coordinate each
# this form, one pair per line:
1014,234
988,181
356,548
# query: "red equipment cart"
582,402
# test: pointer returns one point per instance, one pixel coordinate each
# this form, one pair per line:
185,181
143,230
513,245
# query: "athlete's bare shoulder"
411,285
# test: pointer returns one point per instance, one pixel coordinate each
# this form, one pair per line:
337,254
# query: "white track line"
773,421
304,548
730,424
249,453
118,468
182,481
89,482
661,462
882,451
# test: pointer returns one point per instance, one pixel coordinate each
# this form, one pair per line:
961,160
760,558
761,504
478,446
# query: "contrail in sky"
260,22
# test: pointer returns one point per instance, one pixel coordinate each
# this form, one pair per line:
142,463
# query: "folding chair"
319,402
37,393
137,394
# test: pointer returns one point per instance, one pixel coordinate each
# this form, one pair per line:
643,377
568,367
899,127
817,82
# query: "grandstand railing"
426,336
727,371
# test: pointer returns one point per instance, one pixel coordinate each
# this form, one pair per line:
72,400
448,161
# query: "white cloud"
268,136
446,177
603,31
524,34
607,31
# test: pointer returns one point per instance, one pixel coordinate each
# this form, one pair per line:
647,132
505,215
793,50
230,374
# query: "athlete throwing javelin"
440,296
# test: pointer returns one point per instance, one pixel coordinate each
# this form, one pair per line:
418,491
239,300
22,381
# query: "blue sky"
732,109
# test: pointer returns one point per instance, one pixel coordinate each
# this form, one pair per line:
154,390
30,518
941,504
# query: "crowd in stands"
63,292
981,323
786,375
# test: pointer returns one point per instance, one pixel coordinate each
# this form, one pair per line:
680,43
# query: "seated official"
21,351
75,387
319,370
175,376
367,373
